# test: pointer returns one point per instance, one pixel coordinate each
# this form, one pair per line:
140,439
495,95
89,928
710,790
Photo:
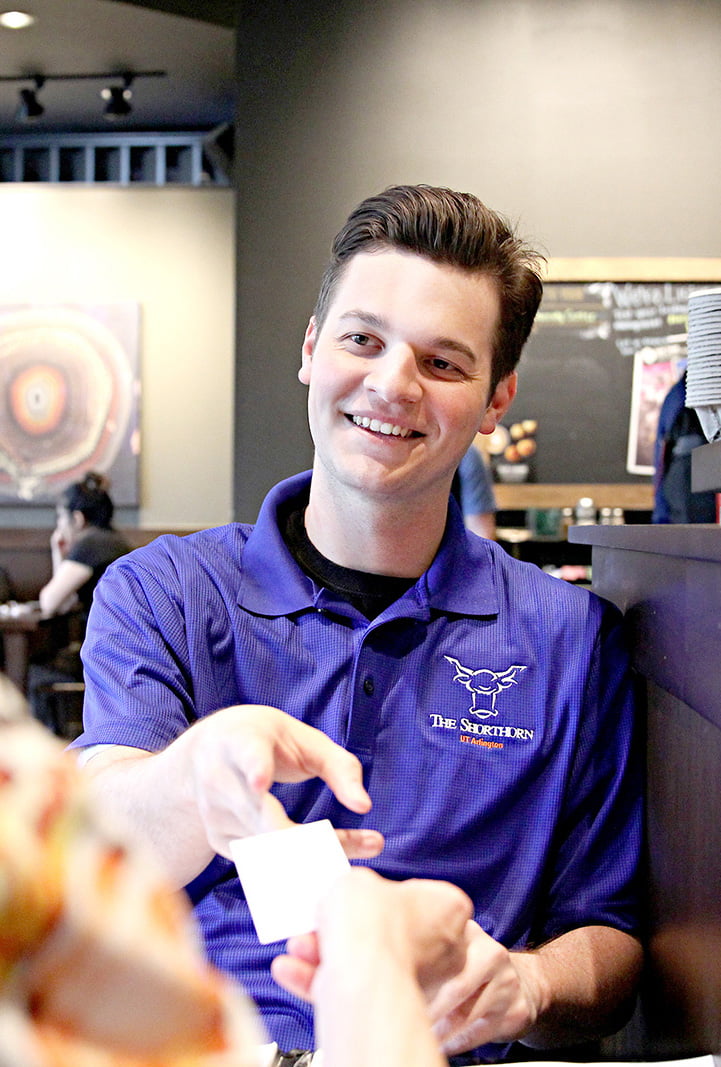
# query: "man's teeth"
380,427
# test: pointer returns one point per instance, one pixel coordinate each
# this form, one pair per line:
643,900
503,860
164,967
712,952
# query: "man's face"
399,374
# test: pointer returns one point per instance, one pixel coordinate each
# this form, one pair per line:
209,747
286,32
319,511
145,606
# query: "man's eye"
361,343
445,369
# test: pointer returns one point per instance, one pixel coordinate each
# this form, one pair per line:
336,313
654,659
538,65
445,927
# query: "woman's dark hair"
90,497
452,228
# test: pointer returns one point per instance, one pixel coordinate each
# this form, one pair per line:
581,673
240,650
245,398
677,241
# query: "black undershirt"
369,593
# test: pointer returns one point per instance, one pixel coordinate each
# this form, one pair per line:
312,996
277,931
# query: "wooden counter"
667,580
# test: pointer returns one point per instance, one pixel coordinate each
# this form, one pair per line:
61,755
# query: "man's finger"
315,755
361,844
304,947
294,974
275,747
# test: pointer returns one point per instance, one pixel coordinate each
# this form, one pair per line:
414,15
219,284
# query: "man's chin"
390,484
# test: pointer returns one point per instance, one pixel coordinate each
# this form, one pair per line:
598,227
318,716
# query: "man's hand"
380,947
211,785
418,925
490,1000
578,987
235,755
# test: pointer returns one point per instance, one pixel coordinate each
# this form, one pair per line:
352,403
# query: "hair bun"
95,481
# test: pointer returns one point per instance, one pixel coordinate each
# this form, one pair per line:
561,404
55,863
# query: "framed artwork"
69,399
655,371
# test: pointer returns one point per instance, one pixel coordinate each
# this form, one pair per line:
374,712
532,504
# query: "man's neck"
390,536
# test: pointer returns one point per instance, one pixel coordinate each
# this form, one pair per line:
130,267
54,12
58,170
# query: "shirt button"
368,686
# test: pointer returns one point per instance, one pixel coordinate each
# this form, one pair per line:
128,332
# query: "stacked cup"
703,375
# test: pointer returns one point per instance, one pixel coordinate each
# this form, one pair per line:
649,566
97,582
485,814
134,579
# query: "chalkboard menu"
601,358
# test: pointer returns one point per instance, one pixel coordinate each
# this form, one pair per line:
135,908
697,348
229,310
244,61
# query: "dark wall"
562,116
289,205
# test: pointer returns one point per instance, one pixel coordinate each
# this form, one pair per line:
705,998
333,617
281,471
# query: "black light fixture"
117,96
118,99
29,107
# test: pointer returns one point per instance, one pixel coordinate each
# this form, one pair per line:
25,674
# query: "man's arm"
482,523
575,988
477,498
59,594
210,786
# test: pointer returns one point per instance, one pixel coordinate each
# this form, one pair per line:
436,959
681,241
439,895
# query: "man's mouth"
388,429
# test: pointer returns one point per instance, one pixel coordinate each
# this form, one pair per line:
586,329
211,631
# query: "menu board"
592,377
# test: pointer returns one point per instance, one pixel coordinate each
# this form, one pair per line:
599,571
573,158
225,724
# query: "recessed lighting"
16,20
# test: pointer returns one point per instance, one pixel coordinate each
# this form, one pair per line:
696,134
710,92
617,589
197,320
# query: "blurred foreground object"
100,965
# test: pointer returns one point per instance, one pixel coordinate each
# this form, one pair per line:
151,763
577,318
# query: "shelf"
120,159
631,496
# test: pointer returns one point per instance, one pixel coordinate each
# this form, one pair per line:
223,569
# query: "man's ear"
307,351
499,403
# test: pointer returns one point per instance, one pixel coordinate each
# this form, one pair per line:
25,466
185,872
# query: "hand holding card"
285,874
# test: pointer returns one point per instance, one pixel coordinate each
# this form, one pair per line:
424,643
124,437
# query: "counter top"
691,542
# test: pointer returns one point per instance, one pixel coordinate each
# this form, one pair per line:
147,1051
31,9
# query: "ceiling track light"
118,97
29,107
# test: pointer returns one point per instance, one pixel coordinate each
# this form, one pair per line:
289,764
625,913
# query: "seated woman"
82,546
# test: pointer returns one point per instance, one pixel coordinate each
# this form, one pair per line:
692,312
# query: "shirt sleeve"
98,549
138,689
477,496
86,552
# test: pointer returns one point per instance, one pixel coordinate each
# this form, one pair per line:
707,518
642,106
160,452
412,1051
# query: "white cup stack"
703,375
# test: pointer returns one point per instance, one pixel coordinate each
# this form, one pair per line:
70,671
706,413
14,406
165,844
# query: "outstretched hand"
418,924
474,990
234,756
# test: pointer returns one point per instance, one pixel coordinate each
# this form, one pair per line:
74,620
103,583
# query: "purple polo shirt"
490,705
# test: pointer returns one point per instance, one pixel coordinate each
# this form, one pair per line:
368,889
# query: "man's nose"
395,375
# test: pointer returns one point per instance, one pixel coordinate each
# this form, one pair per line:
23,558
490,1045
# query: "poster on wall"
69,399
655,371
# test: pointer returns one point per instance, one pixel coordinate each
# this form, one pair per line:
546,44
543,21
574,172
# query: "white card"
285,874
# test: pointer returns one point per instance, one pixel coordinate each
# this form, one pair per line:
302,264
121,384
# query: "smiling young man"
359,634
399,374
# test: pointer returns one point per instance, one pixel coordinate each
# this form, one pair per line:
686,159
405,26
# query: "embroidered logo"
484,685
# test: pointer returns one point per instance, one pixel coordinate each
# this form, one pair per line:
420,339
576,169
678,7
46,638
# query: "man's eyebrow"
446,344
450,344
368,318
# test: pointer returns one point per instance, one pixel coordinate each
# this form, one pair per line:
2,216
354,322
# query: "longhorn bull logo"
484,685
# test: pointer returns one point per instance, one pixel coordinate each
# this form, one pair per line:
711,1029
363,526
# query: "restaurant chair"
65,699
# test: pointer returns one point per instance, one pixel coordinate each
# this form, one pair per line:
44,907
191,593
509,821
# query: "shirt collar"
272,583
461,578
459,581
